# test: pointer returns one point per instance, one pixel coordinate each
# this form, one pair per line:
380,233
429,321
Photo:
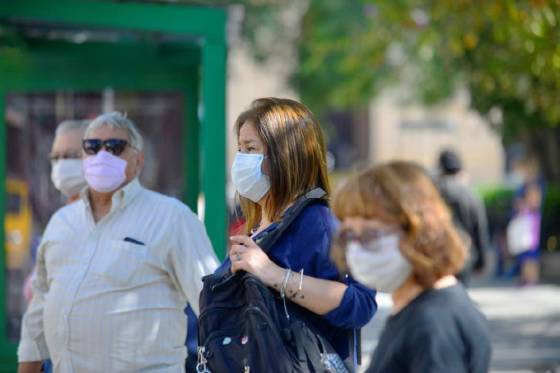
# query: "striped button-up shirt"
108,296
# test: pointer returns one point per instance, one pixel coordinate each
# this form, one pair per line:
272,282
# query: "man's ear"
140,161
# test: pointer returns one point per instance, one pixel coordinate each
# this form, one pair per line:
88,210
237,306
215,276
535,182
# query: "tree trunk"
545,145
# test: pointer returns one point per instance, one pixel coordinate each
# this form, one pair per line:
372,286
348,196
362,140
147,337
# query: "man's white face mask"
67,176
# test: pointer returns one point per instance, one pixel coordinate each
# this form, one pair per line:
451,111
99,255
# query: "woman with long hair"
281,157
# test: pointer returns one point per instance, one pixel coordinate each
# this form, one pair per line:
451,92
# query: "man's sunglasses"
113,146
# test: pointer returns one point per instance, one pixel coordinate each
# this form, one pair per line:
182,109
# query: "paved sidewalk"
524,324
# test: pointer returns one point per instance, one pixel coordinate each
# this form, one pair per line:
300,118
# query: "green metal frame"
7,350
198,71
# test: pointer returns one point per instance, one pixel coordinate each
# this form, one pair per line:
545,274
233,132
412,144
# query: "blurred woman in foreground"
397,237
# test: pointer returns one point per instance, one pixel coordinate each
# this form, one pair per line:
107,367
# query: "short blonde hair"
402,193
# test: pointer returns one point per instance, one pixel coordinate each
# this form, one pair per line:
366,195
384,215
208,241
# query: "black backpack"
243,326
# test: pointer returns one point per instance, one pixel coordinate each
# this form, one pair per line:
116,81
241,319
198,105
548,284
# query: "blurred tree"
505,52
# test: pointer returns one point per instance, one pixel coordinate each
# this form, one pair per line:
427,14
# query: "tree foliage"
505,52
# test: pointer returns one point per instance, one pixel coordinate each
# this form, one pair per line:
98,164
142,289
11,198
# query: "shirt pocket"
121,263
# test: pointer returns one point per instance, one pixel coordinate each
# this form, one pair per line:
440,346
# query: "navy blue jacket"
306,244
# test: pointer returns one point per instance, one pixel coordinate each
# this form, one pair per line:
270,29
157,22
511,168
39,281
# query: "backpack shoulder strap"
267,240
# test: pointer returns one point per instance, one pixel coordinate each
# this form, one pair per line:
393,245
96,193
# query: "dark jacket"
469,214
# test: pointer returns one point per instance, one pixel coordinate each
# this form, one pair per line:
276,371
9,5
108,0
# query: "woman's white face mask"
379,263
247,176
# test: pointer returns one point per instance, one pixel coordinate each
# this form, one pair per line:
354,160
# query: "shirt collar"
121,197
124,195
84,196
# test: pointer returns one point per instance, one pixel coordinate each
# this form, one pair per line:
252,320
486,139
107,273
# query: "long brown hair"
402,193
296,154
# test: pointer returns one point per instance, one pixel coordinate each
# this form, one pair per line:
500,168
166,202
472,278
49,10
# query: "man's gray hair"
120,121
71,125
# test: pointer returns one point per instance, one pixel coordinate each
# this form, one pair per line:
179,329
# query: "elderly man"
66,167
66,175
115,269
66,158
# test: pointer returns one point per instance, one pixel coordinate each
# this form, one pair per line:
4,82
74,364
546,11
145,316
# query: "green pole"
213,143
191,134
3,293
8,361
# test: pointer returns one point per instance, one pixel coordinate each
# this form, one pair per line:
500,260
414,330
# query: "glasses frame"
53,158
346,235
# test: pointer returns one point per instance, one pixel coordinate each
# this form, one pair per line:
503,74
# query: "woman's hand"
317,295
246,255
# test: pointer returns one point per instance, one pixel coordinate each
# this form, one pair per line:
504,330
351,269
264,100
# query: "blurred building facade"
419,133
249,79
387,129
